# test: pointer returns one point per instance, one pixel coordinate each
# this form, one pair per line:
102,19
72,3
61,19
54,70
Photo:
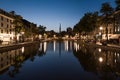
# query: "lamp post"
101,32
22,36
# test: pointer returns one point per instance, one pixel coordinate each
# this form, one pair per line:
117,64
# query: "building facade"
113,29
7,32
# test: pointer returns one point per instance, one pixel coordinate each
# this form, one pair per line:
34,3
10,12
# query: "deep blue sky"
51,13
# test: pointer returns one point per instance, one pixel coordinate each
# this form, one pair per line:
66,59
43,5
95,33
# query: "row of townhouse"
6,27
113,29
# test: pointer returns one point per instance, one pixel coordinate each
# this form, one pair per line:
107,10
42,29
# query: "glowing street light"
101,28
101,31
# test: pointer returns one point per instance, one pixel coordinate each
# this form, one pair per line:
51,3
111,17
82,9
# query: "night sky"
51,13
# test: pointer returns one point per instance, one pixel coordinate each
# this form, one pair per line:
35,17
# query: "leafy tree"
106,11
87,23
41,29
69,31
18,24
118,4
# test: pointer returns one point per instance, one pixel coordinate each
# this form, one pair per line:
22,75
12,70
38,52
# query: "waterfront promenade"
17,45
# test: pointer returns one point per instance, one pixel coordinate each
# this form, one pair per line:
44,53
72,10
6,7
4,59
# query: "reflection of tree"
41,51
29,53
86,60
108,69
16,66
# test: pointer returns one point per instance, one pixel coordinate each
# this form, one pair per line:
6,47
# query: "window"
1,24
7,20
10,26
10,31
115,29
7,31
1,31
1,59
1,18
7,25
1,65
11,21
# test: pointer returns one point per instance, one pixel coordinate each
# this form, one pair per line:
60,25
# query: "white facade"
7,32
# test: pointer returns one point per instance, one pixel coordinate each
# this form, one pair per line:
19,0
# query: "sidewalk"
113,45
15,44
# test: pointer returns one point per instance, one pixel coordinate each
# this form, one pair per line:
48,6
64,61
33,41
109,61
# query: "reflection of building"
6,27
16,57
43,47
7,58
67,45
100,61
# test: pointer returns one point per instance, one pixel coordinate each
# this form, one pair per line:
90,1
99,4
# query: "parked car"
104,43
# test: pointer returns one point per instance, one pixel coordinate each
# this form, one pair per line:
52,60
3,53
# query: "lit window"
118,29
115,29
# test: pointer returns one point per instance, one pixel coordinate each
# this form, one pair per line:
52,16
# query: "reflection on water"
11,61
54,45
104,63
68,45
41,62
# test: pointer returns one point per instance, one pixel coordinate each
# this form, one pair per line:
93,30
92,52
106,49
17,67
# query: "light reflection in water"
54,45
100,62
70,45
40,48
45,46
66,45
99,50
23,49
76,46
100,59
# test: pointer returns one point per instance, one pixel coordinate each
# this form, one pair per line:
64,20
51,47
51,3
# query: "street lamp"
101,31
101,28
22,36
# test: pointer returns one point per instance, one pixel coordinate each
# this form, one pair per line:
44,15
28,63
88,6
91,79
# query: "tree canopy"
87,23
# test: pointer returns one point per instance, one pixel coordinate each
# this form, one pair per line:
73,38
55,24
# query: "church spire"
60,28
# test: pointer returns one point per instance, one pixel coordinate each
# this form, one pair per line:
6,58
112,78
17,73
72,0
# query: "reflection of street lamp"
100,59
99,50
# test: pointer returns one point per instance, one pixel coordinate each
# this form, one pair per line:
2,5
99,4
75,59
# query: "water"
59,60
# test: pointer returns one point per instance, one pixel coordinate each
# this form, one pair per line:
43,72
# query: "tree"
106,11
18,24
87,23
69,31
118,4
41,29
